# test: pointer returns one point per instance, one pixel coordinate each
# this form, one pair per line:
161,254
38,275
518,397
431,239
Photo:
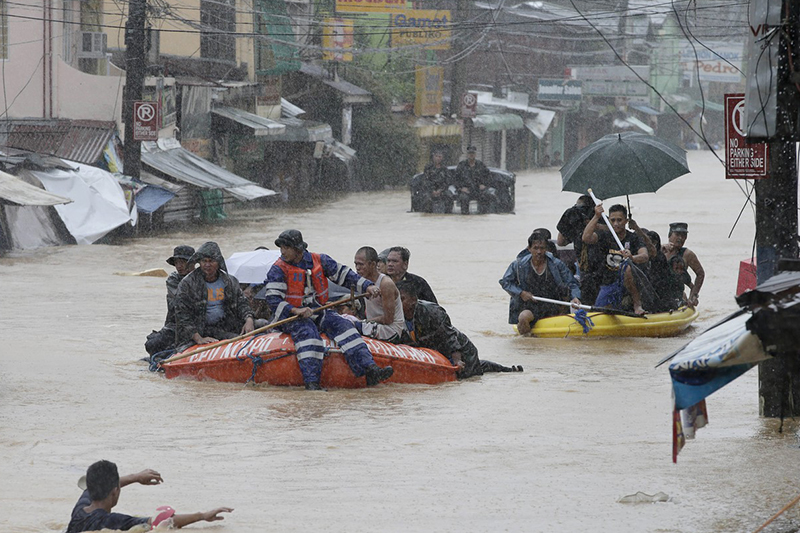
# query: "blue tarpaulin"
151,198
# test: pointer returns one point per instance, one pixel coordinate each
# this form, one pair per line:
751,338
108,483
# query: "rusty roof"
77,140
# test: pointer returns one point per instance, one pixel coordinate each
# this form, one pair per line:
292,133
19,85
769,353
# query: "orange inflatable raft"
270,358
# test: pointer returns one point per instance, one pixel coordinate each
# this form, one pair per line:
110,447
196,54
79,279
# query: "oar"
206,347
606,310
605,218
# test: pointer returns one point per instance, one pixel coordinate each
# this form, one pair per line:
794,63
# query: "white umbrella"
251,267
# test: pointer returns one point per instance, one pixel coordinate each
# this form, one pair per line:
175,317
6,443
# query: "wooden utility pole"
458,77
776,216
135,64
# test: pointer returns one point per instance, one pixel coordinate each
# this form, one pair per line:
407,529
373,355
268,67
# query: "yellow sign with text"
422,26
370,6
429,85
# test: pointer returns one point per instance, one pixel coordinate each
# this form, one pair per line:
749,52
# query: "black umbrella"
622,164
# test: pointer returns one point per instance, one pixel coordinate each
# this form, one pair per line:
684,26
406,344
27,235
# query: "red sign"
742,159
145,121
469,105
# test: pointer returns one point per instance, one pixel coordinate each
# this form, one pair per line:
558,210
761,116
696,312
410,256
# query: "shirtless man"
617,278
385,316
678,232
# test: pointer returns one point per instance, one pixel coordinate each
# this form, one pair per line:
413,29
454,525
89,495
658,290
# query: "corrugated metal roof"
15,191
167,156
76,140
254,124
350,93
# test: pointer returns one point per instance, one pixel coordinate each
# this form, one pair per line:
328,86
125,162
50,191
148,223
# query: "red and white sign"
469,105
145,121
742,159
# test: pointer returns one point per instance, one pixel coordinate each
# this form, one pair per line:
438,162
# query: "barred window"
3,29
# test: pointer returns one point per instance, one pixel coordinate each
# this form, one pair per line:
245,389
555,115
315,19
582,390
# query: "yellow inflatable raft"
605,325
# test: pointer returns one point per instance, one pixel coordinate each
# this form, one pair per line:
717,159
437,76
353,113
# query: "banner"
429,85
422,26
370,6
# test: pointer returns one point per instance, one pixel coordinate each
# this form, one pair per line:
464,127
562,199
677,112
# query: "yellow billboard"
422,26
337,40
370,6
429,86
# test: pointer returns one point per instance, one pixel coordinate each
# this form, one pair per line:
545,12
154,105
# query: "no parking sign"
742,159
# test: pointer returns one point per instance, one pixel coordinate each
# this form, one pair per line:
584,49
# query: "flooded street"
552,449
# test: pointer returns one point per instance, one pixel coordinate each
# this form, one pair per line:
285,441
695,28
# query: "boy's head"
102,478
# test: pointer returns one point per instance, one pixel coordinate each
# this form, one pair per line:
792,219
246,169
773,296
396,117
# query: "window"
218,17
3,29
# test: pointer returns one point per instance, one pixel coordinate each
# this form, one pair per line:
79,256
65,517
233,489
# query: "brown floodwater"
552,449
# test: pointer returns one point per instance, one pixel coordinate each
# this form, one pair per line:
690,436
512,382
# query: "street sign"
469,105
429,84
145,121
552,89
742,159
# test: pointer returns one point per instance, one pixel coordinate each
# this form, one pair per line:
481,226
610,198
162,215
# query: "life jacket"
304,286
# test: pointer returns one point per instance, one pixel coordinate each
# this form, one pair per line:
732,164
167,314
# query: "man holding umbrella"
617,277
297,284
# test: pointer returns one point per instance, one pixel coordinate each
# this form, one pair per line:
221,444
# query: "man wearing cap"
473,181
158,341
210,305
678,232
438,192
296,285
102,485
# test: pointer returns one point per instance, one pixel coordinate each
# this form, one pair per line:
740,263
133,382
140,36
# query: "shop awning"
168,157
298,130
647,110
151,198
236,120
539,122
349,92
499,122
288,109
436,127
77,140
15,191
633,122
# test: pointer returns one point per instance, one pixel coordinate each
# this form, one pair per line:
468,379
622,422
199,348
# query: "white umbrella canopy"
251,267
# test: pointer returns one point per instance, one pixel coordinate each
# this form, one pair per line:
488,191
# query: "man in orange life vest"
297,284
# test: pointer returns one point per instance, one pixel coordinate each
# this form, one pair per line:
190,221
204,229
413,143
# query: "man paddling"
538,273
103,486
617,276
296,285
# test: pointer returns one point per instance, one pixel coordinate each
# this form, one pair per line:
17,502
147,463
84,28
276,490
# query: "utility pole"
776,216
135,63
458,79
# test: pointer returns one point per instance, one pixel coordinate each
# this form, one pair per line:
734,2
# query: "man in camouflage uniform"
210,305
428,326
438,192
158,341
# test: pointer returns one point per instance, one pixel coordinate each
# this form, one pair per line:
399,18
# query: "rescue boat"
607,325
270,358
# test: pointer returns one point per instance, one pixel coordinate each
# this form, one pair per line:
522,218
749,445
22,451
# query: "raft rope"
584,320
257,360
156,358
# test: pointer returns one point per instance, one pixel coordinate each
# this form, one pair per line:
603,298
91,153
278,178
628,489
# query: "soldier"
159,341
297,284
438,192
474,182
428,325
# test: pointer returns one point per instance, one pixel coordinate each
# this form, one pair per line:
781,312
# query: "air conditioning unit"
92,45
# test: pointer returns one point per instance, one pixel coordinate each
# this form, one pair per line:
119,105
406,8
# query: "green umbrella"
622,164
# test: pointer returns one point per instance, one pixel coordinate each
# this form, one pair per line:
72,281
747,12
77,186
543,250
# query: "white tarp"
98,202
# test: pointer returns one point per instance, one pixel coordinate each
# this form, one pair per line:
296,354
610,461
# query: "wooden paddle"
606,310
209,346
